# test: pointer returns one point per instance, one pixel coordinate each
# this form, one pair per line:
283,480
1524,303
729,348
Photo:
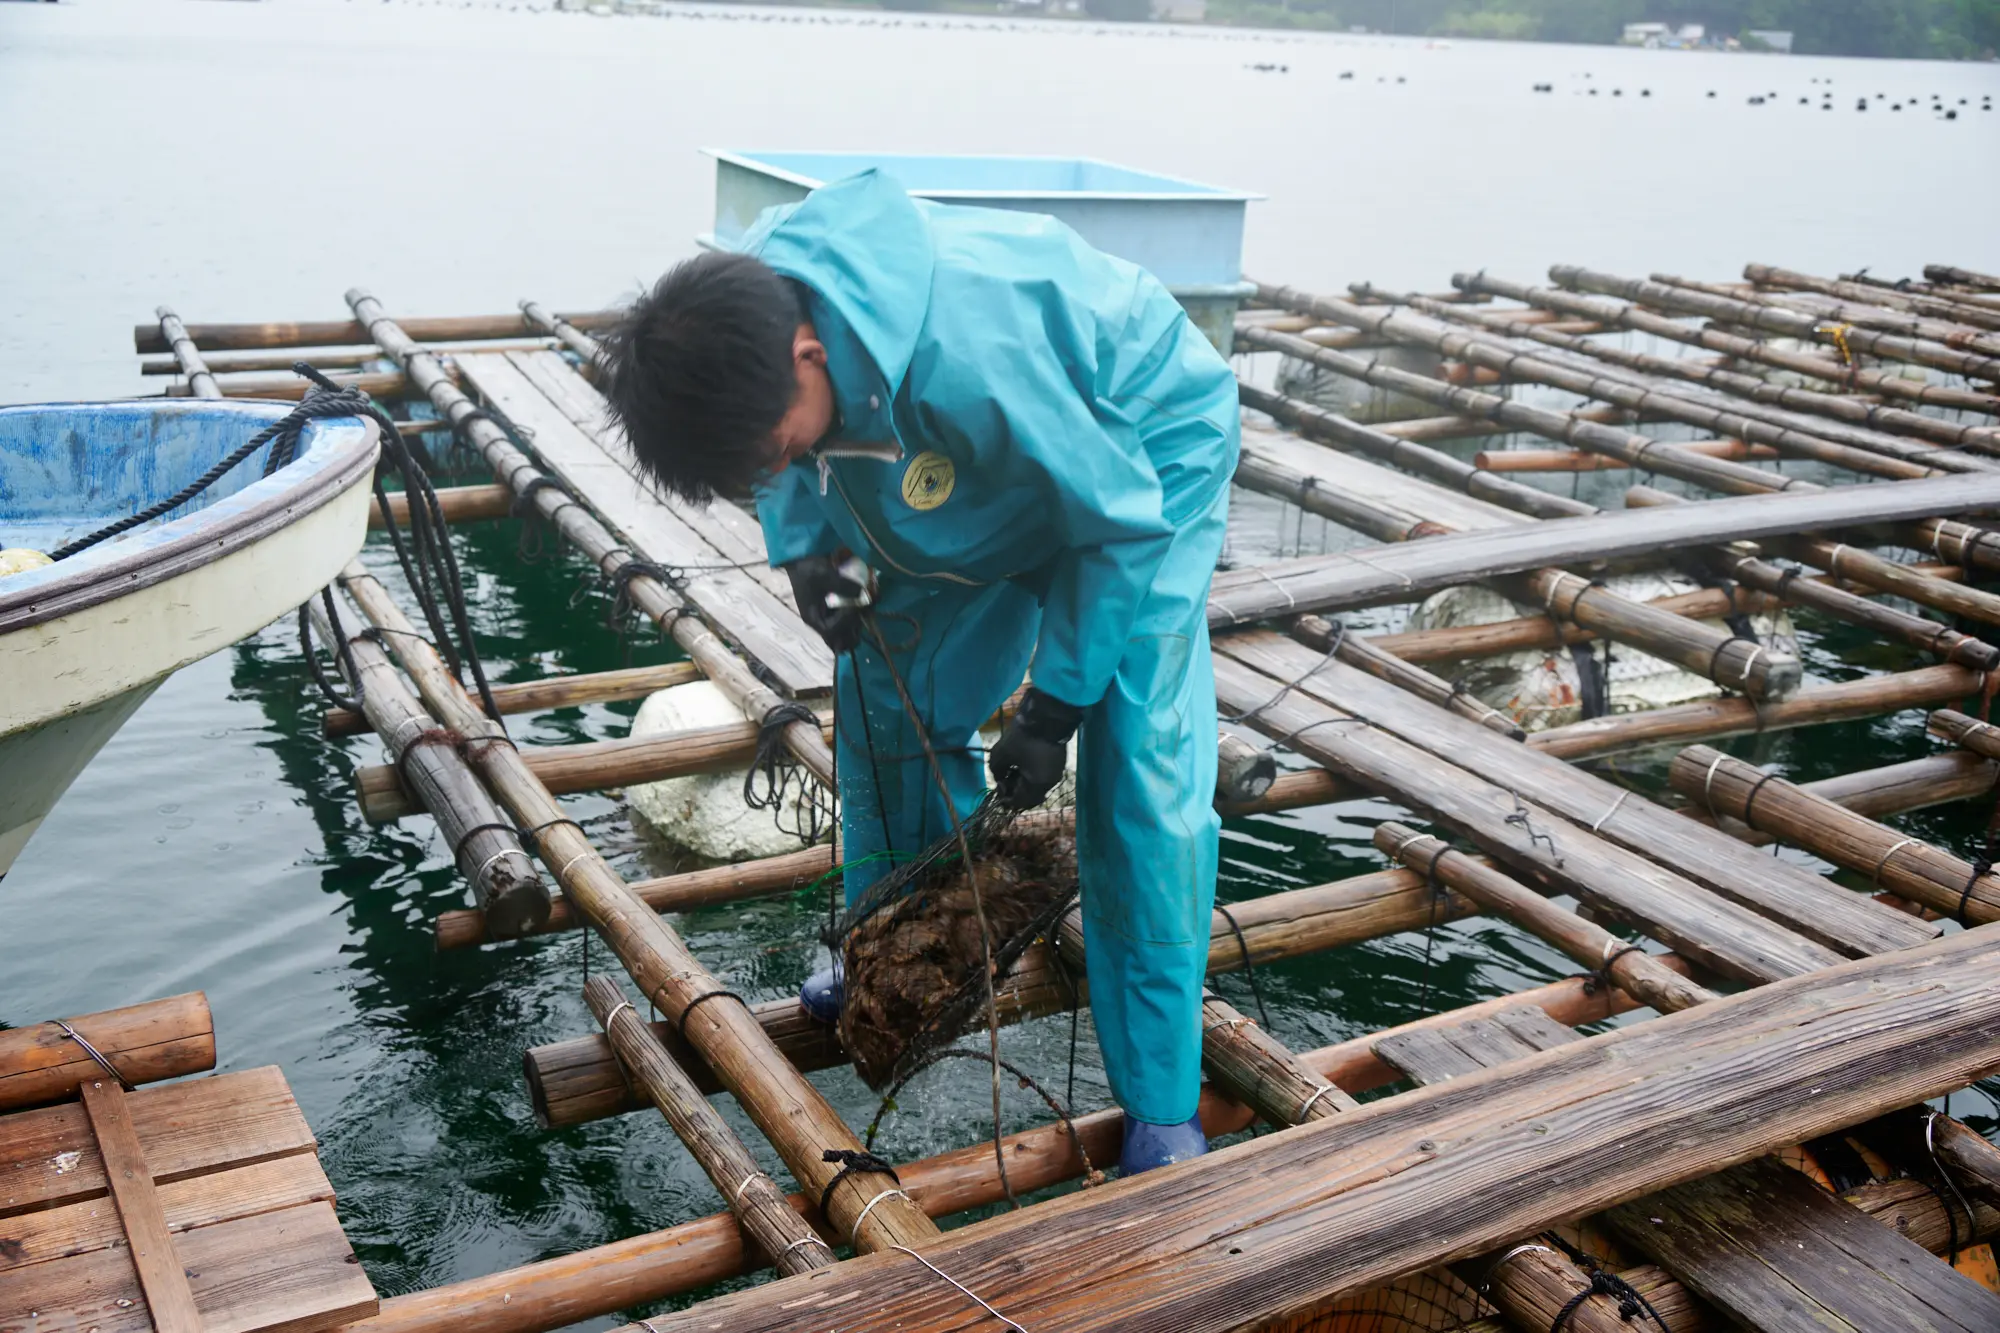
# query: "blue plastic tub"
1190,236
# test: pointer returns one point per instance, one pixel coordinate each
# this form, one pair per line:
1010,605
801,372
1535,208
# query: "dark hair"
700,372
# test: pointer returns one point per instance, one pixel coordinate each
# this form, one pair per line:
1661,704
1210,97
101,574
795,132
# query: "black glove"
832,590
1028,759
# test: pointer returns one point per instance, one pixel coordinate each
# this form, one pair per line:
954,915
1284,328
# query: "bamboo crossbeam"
1966,732
534,696
1713,719
1907,867
751,1195
1892,789
1573,460
563,329
661,603
789,1110
1845,408
459,503
1626,315
511,897
1253,1067
1458,643
1699,648
576,1080
1917,328
291,388
1916,302
347,332
330,358
1442,1173
1633,970
1883,455
1795,898
1863,569
590,765
1442,468
145,1042
1773,319
186,359
552,1293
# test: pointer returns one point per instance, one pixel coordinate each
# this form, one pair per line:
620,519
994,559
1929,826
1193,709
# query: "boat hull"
41,761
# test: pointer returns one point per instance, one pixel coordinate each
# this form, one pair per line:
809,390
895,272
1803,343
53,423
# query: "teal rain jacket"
1054,380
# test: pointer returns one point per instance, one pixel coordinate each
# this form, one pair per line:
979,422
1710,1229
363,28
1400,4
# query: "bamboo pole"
1632,969
1790,323
1866,570
145,1042
460,504
755,1199
1702,649
1442,468
553,1293
570,335
1907,867
1253,1067
1628,316
534,696
1947,333
865,1207
1916,302
1458,643
331,358
186,360
589,765
292,388
1968,733
1572,460
346,332
1962,277
663,604
1377,661
1712,719
1845,407
1244,772
1892,789
511,897
1884,455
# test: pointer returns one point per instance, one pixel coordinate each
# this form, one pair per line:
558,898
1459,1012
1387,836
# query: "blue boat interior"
67,469
934,174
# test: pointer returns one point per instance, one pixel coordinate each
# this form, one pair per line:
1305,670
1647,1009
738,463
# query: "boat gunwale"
208,537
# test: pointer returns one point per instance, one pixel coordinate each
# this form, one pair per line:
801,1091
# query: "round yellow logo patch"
927,482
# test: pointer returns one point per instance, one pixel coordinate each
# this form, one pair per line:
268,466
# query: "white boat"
86,639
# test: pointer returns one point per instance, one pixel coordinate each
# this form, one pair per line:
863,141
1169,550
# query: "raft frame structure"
1280,1234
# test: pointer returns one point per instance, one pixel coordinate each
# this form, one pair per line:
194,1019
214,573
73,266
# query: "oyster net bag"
911,950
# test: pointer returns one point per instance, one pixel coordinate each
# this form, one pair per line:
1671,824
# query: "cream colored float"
85,640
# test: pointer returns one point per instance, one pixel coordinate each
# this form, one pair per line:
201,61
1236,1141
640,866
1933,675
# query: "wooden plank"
720,523
1793,896
766,628
1773,1250
197,1201
291,1271
1489,1043
48,1156
1710,930
1533,1026
1425,1056
169,1300
1435,1175
1413,570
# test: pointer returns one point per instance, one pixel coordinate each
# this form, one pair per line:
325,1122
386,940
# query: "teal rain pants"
1145,814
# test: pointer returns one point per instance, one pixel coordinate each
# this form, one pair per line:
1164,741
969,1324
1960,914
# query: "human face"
809,418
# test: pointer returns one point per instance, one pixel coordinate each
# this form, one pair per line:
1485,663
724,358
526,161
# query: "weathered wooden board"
1793,896
1433,1055
733,601
1706,928
148,1245
290,1271
1774,1251
1438,1174
49,1156
1413,570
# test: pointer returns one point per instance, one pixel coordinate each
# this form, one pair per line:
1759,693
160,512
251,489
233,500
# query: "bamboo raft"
1730,1160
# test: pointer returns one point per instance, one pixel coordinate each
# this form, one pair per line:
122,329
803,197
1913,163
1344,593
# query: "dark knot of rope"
771,753
852,1160
1630,1303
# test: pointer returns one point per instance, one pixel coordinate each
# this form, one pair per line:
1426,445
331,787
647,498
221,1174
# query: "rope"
681,1023
1339,637
1972,1220
1630,1303
852,1160
774,773
1249,969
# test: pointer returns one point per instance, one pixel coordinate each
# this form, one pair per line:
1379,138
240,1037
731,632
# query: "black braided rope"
852,1160
681,1023
1630,1303
1249,969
